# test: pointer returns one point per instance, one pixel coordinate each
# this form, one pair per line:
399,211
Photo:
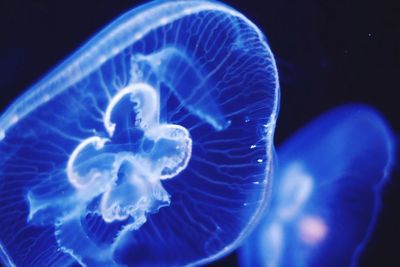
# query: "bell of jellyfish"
326,196
149,146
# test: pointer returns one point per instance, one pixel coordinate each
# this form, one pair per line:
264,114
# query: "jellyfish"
151,145
326,197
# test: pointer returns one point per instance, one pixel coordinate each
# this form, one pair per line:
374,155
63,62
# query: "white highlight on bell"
73,177
188,11
164,21
140,93
102,59
14,119
115,50
46,97
138,36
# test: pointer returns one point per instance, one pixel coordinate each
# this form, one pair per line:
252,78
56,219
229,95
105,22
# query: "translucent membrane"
149,146
326,197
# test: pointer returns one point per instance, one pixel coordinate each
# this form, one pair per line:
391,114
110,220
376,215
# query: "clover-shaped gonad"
123,171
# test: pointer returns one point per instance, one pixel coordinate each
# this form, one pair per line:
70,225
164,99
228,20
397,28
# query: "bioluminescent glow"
151,145
326,196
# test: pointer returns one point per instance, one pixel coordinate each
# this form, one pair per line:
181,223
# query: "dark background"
328,53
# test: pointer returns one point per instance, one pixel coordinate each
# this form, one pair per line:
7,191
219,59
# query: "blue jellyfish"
149,146
326,197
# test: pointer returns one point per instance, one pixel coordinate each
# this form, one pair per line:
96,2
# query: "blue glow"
326,197
151,145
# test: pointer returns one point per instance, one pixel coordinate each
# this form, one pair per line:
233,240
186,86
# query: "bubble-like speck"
327,193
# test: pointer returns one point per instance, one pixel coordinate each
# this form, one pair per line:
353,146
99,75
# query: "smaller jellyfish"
326,197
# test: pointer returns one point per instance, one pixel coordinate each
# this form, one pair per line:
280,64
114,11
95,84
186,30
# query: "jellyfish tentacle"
73,240
188,86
